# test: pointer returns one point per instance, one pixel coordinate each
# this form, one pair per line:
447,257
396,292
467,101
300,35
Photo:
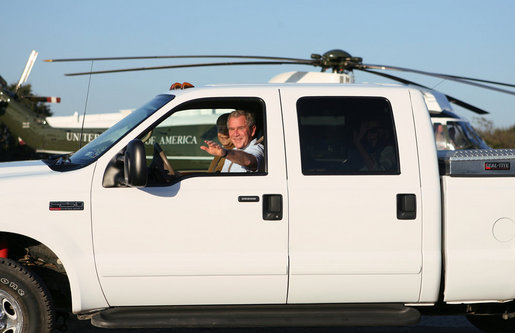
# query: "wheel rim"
11,316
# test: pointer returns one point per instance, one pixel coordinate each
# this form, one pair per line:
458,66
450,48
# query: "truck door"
198,237
355,232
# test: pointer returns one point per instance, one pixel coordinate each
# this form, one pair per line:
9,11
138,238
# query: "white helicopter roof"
106,120
99,120
312,77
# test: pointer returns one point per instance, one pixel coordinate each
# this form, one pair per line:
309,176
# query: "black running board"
283,315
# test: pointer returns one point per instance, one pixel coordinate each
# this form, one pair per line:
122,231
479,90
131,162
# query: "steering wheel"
166,163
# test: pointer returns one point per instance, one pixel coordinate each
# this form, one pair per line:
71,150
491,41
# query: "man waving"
247,154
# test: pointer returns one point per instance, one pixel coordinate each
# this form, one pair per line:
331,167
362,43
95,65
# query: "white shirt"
253,148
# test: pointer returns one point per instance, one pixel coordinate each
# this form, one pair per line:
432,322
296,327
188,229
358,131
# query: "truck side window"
186,128
347,136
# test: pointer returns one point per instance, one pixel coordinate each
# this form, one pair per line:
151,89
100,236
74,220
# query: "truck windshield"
106,140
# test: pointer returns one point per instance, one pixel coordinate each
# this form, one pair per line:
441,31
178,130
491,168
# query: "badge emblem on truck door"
66,205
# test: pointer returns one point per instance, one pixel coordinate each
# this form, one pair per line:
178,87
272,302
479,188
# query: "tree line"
495,137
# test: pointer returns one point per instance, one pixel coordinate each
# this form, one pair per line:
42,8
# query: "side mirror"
135,164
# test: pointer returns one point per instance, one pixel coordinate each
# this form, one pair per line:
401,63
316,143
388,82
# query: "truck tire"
25,303
493,323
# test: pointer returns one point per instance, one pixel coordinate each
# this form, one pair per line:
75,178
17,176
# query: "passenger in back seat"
223,137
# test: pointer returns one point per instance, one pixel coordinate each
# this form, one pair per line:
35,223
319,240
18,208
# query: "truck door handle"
406,206
272,207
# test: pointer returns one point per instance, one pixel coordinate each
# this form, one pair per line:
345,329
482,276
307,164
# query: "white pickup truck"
317,238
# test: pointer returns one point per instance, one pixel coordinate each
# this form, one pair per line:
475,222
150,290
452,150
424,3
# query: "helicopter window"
462,137
173,144
347,136
473,136
441,137
454,135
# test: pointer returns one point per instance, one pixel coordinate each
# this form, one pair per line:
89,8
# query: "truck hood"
23,168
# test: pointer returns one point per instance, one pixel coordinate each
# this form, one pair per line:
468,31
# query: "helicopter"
37,132
56,135
45,135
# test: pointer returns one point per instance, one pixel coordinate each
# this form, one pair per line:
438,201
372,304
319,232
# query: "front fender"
25,202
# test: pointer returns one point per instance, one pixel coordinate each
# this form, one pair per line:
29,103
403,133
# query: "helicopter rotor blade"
442,76
480,80
339,60
466,105
303,62
451,99
173,57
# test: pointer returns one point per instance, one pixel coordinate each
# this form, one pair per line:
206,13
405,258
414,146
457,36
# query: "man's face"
239,132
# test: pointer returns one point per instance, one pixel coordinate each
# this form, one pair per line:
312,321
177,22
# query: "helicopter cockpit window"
347,136
455,135
173,144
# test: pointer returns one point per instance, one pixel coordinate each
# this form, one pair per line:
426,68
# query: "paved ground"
428,324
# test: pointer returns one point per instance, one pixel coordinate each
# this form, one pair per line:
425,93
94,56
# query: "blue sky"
470,38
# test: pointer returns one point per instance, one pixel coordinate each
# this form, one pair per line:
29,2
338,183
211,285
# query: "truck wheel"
25,303
493,323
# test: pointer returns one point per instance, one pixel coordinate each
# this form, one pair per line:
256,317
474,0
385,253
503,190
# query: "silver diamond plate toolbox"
477,162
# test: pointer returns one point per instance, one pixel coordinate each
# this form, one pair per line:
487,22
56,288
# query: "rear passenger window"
347,136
